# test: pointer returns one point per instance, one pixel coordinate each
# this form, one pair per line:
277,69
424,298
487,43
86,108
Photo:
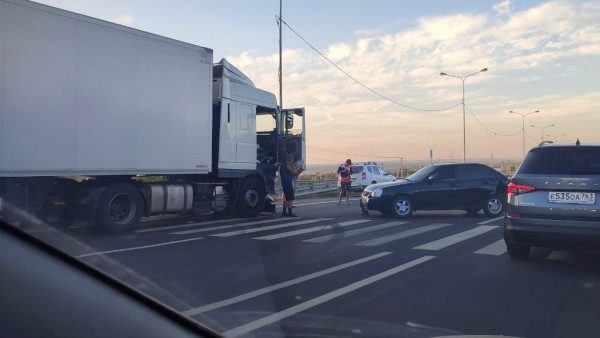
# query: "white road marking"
491,220
255,293
223,227
308,230
403,234
495,249
272,227
139,247
171,227
353,232
275,317
457,238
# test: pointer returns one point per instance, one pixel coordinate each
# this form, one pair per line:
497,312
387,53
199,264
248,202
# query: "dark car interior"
46,293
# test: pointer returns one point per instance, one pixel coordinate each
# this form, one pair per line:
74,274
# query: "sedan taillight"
364,176
517,189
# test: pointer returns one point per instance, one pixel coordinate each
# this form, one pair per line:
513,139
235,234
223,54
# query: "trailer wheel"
120,208
251,198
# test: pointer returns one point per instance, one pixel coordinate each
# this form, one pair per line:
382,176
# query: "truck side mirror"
289,121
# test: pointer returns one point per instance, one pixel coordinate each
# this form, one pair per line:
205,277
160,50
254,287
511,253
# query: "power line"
357,81
489,129
531,137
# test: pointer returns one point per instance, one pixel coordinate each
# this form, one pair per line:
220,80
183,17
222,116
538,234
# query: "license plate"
572,197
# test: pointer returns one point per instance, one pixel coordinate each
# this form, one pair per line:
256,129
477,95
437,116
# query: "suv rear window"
356,169
562,161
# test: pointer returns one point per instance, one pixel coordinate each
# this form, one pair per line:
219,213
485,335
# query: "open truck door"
294,134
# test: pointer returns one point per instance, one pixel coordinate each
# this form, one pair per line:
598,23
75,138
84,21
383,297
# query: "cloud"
125,19
521,51
503,8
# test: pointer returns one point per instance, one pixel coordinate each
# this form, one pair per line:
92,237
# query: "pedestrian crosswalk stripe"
223,227
326,238
189,225
309,230
403,234
495,249
272,227
491,220
269,289
456,238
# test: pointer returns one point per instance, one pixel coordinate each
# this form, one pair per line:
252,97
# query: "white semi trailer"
107,124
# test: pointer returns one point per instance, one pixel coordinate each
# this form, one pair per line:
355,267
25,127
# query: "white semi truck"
107,124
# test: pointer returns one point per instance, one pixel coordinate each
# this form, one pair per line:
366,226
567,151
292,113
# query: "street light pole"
463,79
542,128
523,126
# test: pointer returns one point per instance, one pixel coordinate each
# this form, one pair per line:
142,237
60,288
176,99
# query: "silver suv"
364,174
553,200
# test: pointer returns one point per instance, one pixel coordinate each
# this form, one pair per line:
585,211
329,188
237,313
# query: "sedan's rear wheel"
402,207
494,206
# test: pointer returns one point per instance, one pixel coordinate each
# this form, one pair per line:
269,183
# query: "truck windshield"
265,122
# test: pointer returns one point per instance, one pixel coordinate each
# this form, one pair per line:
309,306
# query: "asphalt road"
334,272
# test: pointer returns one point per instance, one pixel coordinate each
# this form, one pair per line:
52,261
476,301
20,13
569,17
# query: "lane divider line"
139,247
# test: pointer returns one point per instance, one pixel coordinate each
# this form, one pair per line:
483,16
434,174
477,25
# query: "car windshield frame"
422,174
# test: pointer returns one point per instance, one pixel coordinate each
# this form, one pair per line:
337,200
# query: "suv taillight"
364,176
517,189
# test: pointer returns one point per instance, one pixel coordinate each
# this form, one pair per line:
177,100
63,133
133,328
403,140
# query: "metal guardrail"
309,187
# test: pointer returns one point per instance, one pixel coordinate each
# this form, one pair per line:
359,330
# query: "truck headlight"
377,192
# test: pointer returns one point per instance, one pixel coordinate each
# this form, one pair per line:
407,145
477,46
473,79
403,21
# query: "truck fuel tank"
169,198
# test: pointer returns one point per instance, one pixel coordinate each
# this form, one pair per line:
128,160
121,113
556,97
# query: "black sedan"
467,186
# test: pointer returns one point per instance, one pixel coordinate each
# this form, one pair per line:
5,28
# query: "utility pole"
280,58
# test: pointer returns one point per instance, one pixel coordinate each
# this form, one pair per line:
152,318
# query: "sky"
368,73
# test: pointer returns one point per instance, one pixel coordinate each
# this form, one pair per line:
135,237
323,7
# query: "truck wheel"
251,198
120,208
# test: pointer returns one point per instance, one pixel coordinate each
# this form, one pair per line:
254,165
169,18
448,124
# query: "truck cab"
252,134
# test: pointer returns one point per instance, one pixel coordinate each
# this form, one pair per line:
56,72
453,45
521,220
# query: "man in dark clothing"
286,173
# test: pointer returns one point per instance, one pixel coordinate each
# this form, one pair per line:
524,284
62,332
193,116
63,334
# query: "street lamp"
463,79
542,128
523,126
